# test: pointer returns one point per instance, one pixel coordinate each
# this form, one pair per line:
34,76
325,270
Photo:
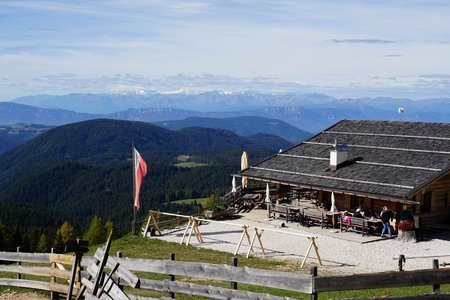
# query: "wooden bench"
283,211
356,224
314,216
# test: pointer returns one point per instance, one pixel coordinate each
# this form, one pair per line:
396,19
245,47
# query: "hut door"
426,202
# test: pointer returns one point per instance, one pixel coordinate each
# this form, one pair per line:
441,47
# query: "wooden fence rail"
304,283
56,268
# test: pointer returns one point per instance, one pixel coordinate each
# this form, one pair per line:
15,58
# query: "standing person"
386,215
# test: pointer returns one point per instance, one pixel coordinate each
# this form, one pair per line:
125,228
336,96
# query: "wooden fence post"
19,276
401,262
172,277
53,295
119,255
313,272
436,287
234,263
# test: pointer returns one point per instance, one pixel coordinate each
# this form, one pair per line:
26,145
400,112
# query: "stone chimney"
338,155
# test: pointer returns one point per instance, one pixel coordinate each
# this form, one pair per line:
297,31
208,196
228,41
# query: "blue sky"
342,48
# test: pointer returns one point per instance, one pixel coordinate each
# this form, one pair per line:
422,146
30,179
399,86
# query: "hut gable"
386,159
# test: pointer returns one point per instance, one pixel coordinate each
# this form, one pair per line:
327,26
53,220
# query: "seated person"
358,214
346,217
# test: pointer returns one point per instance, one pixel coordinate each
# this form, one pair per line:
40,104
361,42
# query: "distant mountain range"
244,126
11,113
310,112
203,102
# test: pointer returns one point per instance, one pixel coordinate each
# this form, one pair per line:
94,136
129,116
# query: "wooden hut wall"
440,193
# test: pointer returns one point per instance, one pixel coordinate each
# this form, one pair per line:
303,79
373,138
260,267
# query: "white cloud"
324,43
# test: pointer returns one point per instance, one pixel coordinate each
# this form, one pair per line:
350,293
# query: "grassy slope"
156,249
201,201
138,247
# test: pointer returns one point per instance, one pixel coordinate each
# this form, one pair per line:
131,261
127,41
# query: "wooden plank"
412,297
102,263
90,297
282,280
25,257
135,297
113,291
87,283
36,271
382,280
204,291
33,284
92,269
121,272
62,259
61,288
105,297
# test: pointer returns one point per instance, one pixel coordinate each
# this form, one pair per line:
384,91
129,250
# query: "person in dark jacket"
358,214
386,215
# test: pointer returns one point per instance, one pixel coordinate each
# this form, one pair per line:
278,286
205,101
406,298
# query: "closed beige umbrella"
333,203
267,200
244,165
233,185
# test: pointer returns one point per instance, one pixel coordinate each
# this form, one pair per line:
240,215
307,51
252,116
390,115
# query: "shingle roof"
386,159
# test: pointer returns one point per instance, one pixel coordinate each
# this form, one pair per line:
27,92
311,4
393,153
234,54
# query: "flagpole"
133,224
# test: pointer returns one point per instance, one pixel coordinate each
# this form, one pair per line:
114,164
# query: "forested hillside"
78,171
14,135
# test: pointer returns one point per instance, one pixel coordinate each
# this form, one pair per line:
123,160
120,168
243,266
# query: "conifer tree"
64,233
95,234
43,243
67,231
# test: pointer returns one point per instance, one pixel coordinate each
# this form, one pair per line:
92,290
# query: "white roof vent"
338,155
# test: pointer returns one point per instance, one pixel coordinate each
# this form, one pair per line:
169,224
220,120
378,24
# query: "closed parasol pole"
244,165
333,203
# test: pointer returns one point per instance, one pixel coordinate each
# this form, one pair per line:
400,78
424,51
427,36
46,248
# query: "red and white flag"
140,170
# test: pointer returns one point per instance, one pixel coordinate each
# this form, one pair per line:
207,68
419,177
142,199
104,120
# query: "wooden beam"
204,291
244,234
186,230
282,280
32,284
62,259
35,271
383,280
43,258
121,272
102,264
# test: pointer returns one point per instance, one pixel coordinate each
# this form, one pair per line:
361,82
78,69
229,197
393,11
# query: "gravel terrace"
341,253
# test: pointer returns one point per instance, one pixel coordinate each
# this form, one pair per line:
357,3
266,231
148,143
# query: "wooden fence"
310,284
47,265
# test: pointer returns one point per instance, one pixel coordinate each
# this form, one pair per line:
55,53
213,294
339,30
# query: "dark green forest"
74,173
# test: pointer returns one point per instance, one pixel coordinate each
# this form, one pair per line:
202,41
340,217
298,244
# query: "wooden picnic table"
334,216
250,199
